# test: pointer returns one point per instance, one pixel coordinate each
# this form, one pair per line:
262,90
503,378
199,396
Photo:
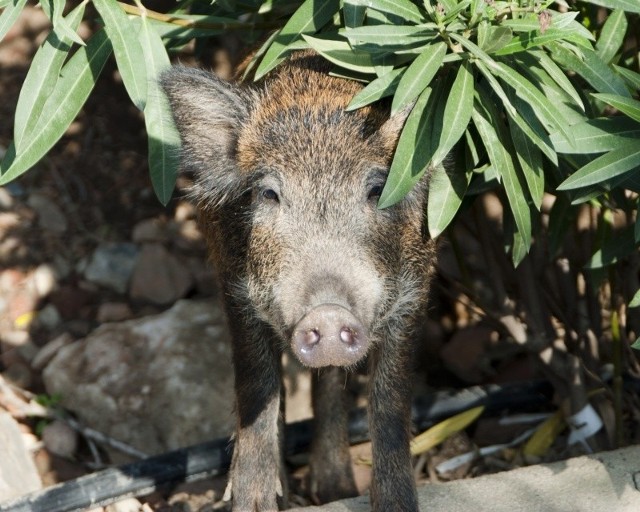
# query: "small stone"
50,216
149,230
60,439
126,505
48,352
111,265
113,312
159,277
44,280
6,201
48,317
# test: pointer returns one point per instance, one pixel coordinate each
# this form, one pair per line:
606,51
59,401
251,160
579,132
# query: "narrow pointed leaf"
597,135
502,162
630,77
457,112
624,159
77,79
41,80
527,40
443,430
592,68
543,108
612,35
625,105
418,76
626,5
353,13
557,74
412,154
10,15
60,24
340,53
379,88
308,19
530,161
403,8
447,187
389,34
635,302
164,140
126,48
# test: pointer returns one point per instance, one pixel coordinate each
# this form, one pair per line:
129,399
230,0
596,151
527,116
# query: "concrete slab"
604,482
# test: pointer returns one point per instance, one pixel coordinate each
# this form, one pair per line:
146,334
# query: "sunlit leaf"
412,154
447,187
625,105
380,88
403,8
308,19
457,112
41,80
418,76
126,48
635,301
625,158
78,76
10,15
340,53
597,135
443,430
545,435
612,35
164,139
530,161
626,5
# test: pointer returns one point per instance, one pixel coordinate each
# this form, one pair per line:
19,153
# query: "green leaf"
556,74
41,80
612,35
501,161
527,40
354,13
77,79
403,8
597,135
631,77
310,17
636,344
530,161
340,53
379,88
617,246
635,302
60,25
626,5
412,154
10,15
492,38
418,76
447,186
164,139
457,112
593,69
624,159
543,108
385,35
126,48
625,105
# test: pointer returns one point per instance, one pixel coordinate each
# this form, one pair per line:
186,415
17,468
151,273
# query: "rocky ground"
109,311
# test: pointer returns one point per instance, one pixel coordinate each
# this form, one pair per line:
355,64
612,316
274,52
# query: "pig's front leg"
393,485
254,480
331,474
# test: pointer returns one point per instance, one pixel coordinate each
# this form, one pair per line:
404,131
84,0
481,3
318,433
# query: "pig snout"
329,335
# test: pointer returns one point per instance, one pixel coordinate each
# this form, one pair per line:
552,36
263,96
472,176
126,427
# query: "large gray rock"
158,383
18,474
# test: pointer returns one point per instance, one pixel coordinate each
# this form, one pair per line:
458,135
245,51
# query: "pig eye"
270,195
375,192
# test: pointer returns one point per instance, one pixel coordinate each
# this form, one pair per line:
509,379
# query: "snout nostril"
348,336
311,337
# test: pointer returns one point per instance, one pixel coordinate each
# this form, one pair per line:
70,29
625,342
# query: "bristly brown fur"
286,183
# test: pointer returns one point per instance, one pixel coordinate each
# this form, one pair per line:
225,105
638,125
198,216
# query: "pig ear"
208,113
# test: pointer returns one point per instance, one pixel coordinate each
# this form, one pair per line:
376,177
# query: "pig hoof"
329,335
